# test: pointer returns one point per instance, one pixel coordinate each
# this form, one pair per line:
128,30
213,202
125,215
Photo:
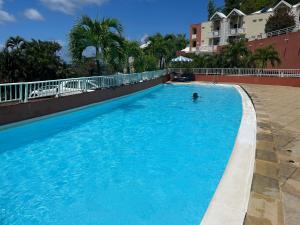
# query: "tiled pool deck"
275,194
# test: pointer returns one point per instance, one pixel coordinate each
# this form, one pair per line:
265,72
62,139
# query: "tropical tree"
158,48
174,43
14,43
132,52
268,54
12,59
42,60
230,5
105,36
22,60
249,7
145,63
164,48
282,18
211,8
235,54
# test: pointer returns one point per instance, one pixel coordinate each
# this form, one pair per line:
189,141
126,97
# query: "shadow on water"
28,132
132,107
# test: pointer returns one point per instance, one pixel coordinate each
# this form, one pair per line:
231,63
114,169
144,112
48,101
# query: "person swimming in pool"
195,96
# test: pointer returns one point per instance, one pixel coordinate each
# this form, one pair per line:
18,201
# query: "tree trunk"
161,63
128,66
98,61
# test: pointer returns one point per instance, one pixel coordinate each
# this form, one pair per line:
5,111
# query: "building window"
194,44
254,21
260,20
194,31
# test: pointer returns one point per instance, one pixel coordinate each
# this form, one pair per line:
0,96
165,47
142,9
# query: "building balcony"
208,49
204,49
193,49
237,31
215,33
194,36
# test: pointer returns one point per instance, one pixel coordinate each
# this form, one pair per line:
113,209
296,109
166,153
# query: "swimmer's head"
195,95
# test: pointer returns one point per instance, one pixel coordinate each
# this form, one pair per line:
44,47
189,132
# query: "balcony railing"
237,31
215,33
276,33
204,49
22,92
240,72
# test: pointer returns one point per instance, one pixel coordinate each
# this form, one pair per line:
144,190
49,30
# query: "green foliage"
230,5
249,7
235,55
211,8
145,63
164,48
22,60
268,54
132,52
114,53
104,35
85,67
279,20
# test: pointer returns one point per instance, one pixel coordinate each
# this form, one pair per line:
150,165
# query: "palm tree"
158,48
14,43
104,35
236,55
132,50
13,60
263,56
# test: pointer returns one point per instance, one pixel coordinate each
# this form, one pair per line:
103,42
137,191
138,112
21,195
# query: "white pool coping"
230,202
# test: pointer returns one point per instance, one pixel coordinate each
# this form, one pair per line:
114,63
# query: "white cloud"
6,17
33,14
69,6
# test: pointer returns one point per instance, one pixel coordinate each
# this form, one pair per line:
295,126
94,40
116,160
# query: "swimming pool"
155,157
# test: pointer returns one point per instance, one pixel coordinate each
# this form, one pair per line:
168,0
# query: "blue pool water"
154,158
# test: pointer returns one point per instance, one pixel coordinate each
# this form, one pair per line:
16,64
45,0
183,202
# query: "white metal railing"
236,31
240,72
22,92
214,33
193,49
205,49
276,33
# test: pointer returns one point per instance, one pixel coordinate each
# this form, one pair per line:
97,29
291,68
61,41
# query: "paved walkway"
275,195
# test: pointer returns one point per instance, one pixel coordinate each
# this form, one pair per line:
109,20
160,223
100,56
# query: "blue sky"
52,19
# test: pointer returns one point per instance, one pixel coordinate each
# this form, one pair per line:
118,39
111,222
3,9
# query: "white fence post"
26,93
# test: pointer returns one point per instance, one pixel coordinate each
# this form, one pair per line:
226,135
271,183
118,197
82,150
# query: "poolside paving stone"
269,156
275,192
267,169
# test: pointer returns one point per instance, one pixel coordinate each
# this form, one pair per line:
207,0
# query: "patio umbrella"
182,59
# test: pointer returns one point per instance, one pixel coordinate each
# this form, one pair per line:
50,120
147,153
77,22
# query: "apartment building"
221,29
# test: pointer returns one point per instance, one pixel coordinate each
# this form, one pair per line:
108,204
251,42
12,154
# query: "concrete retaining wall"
42,107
